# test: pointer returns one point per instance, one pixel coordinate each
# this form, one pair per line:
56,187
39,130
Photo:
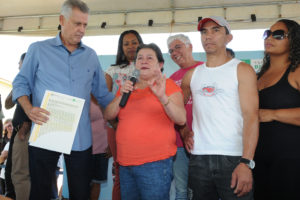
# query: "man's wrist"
249,163
186,133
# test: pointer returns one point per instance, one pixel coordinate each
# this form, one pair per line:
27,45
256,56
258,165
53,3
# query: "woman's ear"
161,65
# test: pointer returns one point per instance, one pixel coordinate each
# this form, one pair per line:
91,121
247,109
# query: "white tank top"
217,115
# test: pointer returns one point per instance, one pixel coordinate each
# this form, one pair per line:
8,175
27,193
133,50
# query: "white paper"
59,132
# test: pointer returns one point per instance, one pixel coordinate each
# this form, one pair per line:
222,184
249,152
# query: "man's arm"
185,85
109,82
99,87
187,135
9,102
23,85
248,94
35,114
188,138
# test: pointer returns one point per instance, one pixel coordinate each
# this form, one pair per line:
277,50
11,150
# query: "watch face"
252,164
249,163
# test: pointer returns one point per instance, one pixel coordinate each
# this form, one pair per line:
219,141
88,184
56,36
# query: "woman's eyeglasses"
277,35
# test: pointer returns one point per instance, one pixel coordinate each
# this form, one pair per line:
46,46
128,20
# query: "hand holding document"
59,132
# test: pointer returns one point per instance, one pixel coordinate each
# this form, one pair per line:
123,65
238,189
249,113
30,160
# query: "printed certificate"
59,132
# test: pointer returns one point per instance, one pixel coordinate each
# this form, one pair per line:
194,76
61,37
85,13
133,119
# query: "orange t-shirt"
145,133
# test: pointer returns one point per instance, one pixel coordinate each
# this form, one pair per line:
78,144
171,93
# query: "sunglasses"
277,35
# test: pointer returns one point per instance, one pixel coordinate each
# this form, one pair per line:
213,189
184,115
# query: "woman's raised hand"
158,84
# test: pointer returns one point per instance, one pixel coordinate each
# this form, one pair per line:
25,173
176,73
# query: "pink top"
177,77
99,131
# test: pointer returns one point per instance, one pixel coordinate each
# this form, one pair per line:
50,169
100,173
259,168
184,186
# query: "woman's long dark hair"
294,43
121,58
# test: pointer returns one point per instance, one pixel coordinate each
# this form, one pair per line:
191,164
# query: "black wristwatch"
249,163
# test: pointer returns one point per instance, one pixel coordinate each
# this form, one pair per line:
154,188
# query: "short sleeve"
171,87
110,71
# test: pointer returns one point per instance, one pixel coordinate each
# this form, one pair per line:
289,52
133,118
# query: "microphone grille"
136,73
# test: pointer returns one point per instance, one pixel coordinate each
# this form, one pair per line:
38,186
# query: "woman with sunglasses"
277,170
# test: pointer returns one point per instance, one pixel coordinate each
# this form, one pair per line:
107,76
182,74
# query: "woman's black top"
277,138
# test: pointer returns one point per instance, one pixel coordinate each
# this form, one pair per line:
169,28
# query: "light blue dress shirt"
48,65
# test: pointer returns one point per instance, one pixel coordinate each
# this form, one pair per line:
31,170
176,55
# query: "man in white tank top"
225,119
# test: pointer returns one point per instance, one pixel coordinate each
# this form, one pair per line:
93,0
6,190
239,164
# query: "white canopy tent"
107,17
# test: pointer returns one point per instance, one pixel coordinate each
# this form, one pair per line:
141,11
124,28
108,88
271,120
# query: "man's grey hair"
183,38
68,5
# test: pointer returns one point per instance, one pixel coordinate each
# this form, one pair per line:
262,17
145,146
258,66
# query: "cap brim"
203,21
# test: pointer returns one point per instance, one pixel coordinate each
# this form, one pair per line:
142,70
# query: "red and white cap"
217,19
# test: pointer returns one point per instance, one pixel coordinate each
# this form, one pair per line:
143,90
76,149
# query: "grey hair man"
62,64
181,52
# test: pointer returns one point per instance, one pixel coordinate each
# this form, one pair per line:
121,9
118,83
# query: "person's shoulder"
41,43
113,67
89,49
188,76
242,64
245,72
295,76
121,68
36,44
245,68
191,71
297,70
47,41
169,81
175,74
171,86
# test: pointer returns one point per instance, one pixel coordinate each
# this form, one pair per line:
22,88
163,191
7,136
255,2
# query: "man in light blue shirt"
62,64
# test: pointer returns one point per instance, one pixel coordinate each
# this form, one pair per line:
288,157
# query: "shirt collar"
58,42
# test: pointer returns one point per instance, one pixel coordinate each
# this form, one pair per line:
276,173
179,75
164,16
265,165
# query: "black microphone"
133,79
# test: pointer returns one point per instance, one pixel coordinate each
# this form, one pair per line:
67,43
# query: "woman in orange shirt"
115,76
146,137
